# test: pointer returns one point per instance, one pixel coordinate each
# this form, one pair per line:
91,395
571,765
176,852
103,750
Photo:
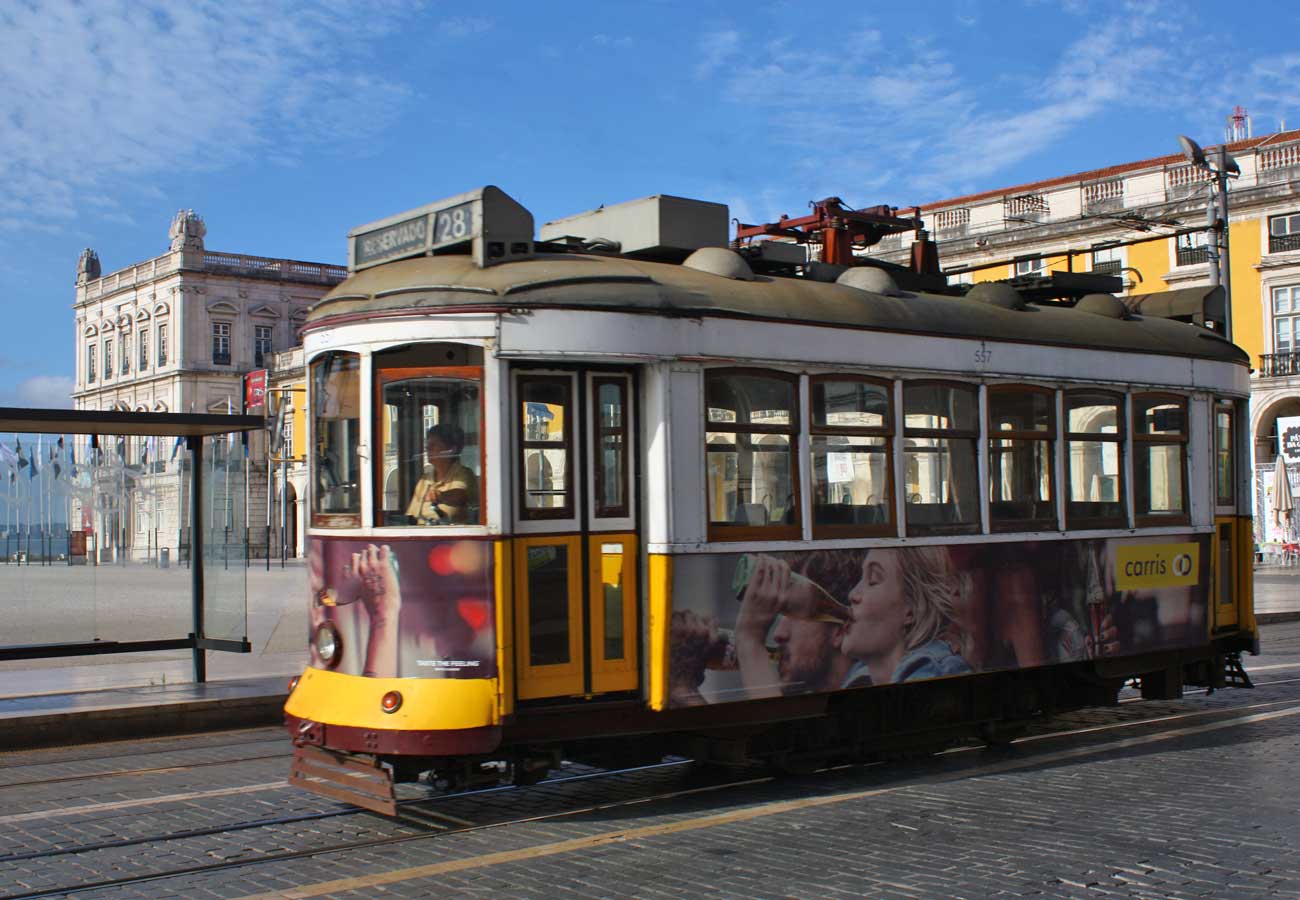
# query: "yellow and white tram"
621,490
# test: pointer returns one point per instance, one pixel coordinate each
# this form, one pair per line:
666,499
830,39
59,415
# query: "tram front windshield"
430,417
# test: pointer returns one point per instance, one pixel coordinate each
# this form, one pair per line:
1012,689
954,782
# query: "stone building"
178,333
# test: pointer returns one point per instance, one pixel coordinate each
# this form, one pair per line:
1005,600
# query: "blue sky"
285,125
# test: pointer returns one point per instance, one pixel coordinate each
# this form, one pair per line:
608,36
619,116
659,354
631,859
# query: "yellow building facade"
1144,222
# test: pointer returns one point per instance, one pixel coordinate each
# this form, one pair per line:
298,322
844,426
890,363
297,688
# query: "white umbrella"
1283,499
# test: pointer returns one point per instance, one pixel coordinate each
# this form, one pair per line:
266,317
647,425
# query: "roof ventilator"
997,294
1107,305
874,281
720,261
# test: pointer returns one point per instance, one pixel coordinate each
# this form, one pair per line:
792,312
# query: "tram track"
12,759
404,804
152,770
428,821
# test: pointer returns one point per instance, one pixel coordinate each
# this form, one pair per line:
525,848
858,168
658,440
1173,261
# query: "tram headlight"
391,702
293,683
328,645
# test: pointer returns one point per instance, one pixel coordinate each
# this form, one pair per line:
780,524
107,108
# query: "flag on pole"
22,460
8,457
36,458
176,447
277,427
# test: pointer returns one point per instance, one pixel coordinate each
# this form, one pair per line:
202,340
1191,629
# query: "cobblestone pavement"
1193,798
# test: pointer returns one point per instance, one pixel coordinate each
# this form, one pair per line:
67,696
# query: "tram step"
359,780
1234,673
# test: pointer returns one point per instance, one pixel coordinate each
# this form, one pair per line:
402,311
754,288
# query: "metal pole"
284,512
196,554
1221,177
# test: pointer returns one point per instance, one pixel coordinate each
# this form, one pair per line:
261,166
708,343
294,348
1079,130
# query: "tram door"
1229,533
575,557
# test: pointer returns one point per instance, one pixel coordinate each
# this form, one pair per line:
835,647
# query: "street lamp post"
1216,214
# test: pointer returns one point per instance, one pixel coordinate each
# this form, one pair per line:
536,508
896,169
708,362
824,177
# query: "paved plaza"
1178,799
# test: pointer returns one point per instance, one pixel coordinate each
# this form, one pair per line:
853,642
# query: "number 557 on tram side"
621,489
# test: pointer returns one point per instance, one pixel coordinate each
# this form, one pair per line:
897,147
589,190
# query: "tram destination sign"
464,219
420,234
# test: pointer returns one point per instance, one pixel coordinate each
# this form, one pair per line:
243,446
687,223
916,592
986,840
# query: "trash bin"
164,557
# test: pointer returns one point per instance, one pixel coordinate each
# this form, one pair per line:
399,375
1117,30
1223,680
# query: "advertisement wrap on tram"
747,626
405,608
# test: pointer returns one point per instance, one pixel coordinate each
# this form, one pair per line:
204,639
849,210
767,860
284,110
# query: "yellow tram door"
1227,543
575,559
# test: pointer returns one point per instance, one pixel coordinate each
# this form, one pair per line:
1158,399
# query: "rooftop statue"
187,230
87,266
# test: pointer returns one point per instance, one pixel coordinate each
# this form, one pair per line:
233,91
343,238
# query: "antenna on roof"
1238,125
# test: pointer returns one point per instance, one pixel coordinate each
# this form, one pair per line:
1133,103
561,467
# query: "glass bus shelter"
110,520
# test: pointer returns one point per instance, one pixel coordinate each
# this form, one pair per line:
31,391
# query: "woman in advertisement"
901,624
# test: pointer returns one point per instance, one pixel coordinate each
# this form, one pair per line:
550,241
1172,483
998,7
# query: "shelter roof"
83,421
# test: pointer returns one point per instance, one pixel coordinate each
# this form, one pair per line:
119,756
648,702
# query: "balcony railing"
1281,243
220,359
1192,256
1103,196
1279,365
1275,164
1106,267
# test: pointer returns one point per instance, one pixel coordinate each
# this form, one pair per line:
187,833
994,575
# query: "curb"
92,725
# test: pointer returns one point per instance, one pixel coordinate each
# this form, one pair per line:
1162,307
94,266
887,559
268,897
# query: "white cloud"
715,49
40,391
465,26
908,118
96,94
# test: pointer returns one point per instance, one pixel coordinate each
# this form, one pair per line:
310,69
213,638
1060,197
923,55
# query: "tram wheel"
999,735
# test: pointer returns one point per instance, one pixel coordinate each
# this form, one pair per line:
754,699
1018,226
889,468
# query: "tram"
626,488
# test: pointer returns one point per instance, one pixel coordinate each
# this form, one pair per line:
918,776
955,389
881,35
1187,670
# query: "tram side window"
1224,452
940,430
1094,435
852,428
429,418
336,412
1022,429
752,476
612,448
1160,458
546,440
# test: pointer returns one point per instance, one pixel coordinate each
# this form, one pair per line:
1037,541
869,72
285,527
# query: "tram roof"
435,284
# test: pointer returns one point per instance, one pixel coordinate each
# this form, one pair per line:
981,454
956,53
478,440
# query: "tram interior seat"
1022,511
1095,509
933,514
849,514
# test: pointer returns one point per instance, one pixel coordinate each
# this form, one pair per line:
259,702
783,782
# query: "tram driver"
447,492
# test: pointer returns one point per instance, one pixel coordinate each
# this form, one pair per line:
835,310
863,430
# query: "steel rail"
121,773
